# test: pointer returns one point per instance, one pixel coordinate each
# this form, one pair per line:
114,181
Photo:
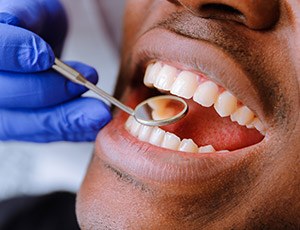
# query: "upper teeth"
206,93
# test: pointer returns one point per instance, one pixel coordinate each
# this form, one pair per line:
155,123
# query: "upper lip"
198,56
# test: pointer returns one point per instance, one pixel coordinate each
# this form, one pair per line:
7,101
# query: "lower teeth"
160,138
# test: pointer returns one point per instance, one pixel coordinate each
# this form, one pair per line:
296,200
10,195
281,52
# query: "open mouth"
217,121
206,142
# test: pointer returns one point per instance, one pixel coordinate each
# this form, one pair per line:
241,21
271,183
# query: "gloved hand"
36,103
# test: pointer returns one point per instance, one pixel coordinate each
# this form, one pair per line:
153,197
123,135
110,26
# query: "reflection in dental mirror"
160,110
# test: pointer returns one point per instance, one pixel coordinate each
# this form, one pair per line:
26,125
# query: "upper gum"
202,77
180,69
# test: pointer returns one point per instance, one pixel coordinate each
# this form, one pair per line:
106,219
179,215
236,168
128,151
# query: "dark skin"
252,188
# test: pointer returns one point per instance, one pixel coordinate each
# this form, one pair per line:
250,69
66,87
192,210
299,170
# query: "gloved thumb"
23,51
78,120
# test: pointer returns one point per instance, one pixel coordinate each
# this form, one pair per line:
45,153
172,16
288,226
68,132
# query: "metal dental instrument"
155,111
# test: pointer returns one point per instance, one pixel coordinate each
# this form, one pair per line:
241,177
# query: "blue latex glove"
45,18
36,103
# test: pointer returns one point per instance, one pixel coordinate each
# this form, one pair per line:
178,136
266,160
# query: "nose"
255,14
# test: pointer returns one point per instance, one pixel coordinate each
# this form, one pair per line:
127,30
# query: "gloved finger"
23,51
78,120
43,17
43,89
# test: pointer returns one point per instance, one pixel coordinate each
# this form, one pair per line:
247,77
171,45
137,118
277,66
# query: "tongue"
205,127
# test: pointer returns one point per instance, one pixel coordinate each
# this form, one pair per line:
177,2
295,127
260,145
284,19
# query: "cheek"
136,13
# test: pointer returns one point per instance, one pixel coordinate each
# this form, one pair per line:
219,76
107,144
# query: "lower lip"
145,162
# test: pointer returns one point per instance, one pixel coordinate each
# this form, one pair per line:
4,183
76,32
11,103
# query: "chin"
231,163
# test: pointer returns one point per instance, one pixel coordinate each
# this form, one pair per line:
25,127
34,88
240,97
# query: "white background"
27,168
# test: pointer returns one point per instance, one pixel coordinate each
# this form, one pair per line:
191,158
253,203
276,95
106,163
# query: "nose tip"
255,14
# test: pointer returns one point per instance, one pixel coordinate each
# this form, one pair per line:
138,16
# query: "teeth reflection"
161,110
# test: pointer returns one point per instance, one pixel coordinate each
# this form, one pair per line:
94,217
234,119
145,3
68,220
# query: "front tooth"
250,126
188,145
170,141
206,94
243,116
185,85
226,104
166,78
157,136
144,133
223,151
151,73
135,127
207,149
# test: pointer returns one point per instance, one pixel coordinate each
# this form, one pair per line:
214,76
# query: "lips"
138,151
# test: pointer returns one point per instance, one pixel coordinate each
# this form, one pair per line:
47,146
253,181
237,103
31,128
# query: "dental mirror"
155,111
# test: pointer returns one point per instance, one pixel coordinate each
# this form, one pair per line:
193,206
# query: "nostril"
220,9
222,12
254,14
